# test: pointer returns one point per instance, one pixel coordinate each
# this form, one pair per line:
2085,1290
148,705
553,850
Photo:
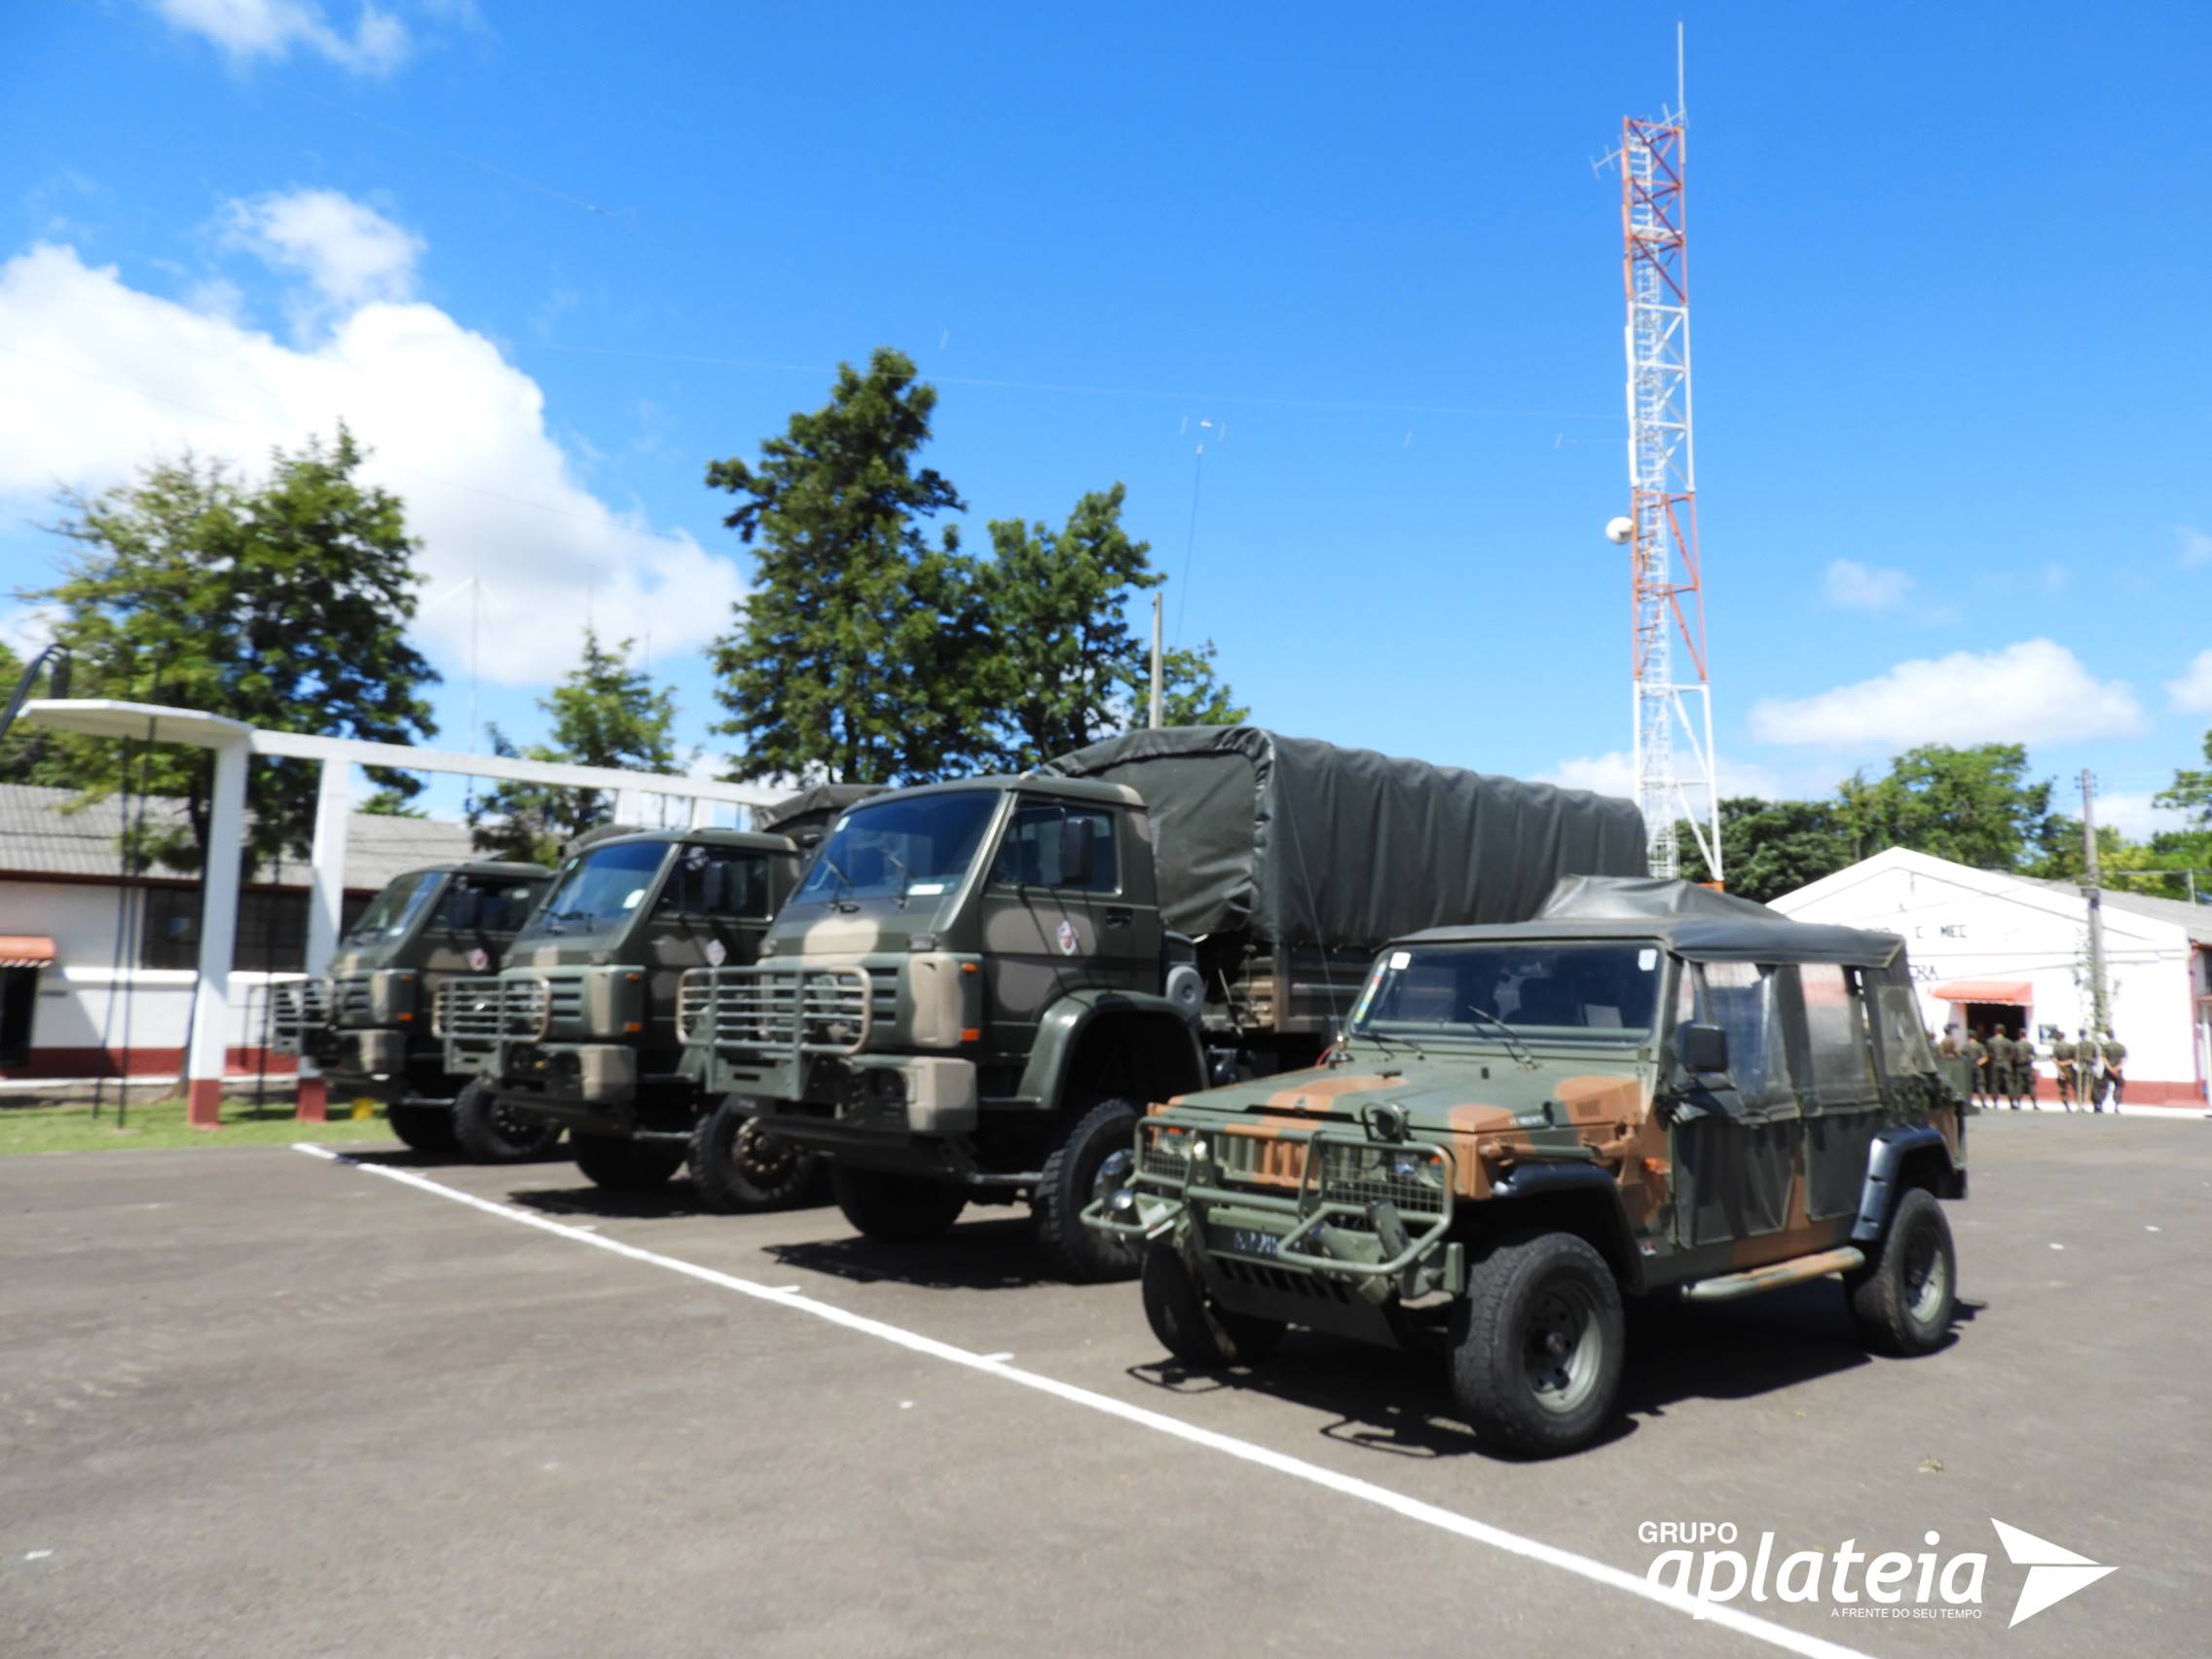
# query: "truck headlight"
392,996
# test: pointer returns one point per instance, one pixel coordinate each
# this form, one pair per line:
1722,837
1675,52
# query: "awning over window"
25,950
1987,991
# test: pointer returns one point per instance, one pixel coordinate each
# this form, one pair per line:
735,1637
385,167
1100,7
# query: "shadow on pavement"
996,1254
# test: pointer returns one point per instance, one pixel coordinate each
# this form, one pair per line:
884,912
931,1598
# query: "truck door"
1843,1104
1056,916
712,910
1737,1138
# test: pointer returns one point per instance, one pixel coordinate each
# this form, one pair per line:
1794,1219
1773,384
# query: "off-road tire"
1192,1326
737,1167
492,1131
425,1129
1080,1254
1520,1389
1903,1299
894,1209
626,1165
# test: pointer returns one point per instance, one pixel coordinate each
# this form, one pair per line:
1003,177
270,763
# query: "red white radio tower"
1661,526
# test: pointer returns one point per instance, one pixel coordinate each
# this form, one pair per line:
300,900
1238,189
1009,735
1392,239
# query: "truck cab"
368,1023
578,1031
1651,1091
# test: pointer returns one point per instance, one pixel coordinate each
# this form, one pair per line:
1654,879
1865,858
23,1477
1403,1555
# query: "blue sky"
1948,273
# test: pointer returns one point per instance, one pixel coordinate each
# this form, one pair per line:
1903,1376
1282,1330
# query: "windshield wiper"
844,881
906,886
1518,1048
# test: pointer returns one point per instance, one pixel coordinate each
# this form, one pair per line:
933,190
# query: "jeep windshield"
1547,991
391,912
918,847
599,888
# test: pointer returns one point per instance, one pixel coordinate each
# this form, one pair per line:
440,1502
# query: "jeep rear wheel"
1098,1155
425,1128
894,1209
736,1165
1193,1327
1903,1299
626,1165
1536,1344
491,1130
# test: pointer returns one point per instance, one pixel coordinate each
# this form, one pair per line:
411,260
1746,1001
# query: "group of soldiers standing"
1999,1066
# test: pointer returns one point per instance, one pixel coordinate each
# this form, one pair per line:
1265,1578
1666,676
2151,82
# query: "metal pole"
2101,1013
1158,689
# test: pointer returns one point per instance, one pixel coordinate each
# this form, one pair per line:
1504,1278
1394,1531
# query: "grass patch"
70,1127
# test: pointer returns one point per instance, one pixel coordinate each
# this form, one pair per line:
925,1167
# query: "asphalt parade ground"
274,1401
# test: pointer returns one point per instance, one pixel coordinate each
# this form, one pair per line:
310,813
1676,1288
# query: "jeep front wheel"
1097,1155
894,1209
1902,1300
1536,1344
492,1131
1194,1328
736,1165
626,1165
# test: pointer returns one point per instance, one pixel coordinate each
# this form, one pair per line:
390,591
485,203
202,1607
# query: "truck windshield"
391,912
599,888
911,848
1587,992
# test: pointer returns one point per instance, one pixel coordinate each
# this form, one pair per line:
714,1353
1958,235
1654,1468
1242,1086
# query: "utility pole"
1156,686
2100,1013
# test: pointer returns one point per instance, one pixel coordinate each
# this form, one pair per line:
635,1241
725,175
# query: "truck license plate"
1251,1242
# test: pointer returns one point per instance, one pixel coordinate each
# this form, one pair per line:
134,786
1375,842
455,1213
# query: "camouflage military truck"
1651,1091
978,985
368,1024
578,1031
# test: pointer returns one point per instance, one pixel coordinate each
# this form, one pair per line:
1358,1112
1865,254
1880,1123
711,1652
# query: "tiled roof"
37,838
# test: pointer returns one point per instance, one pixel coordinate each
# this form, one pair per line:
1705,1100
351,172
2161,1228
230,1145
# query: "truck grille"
1411,1177
808,1010
491,1010
1259,1159
299,1014
349,1000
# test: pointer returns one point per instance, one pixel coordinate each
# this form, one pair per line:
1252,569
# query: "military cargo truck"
367,1024
578,1031
978,985
1649,1090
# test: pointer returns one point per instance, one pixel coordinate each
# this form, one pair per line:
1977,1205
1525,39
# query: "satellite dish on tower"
1618,530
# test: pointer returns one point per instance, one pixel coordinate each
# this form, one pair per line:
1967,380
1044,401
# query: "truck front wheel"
1192,1326
1536,1344
736,1165
894,1209
492,1131
1902,1300
425,1129
626,1165
1096,1150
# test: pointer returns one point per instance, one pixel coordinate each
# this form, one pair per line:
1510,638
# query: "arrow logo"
2054,1574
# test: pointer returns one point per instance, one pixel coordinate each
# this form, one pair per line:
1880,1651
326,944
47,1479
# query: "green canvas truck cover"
1706,926
810,809
1297,843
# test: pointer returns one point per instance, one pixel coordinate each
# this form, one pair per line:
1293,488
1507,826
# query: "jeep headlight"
392,996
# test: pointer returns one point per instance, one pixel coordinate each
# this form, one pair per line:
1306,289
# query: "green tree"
1066,668
1973,806
2191,790
860,654
1772,847
604,713
285,604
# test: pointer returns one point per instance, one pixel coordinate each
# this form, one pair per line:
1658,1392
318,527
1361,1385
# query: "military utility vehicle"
978,985
367,1025
1649,1090
578,1031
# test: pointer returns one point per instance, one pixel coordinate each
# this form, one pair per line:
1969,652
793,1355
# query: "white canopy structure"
233,742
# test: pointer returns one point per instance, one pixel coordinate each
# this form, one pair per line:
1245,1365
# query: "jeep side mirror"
1075,852
1704,1049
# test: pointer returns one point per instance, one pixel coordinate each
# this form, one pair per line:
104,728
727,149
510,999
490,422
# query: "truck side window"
1741,998
1832,1028
1030,854
743,886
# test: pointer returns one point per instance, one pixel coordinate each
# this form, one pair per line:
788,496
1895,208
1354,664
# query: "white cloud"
1850,585
2192,694
348,253
1613,773
102,378
2135,816
2195,545
2036,691
250,30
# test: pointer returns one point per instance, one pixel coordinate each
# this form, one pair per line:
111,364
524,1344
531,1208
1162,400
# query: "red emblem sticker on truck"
480,959
717,952
1064,936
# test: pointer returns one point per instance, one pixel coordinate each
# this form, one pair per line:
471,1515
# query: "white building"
1990,950
96,973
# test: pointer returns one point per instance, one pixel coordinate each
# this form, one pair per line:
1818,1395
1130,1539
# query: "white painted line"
1722,1613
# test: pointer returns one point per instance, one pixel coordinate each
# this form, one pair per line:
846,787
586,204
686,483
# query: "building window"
272,929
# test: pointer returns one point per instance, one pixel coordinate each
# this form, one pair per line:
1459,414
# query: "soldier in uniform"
1950,1062
2085,1068
2113,1053
2023,1069
2000,1066
1977,1065
2062,1060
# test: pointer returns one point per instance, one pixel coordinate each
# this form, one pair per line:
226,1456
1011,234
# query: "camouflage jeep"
1649,1090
